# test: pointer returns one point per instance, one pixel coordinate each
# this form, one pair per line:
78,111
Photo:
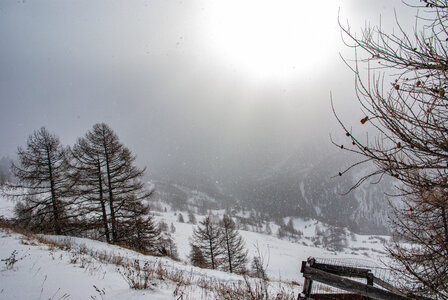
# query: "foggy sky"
146,68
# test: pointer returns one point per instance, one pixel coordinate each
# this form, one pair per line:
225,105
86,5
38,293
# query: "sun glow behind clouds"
273,39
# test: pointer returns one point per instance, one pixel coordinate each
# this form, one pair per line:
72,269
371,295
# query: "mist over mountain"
303,184
307,185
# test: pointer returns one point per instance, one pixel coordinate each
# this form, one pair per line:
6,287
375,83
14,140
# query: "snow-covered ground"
43,273
40,271
87,269
282,257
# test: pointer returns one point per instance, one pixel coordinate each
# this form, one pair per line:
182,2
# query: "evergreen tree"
167,246
235,254
258,270
180,218
290,225
42,182
335,238
137,228
196,257
281,232
268,229
191,217
207,236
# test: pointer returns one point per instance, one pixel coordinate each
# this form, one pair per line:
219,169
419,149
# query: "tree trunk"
228,251
56,225
103,205
111,198
212,256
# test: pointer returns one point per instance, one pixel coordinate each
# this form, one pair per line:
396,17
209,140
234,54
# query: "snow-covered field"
32,270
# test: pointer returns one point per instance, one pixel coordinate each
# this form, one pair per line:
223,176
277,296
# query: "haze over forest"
228,96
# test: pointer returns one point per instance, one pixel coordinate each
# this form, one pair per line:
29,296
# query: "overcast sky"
198,85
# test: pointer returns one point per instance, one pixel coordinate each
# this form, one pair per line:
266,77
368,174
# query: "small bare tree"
235,253
260,263
140,231
404,99
196,257
207,237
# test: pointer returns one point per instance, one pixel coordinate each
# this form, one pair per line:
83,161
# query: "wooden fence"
336,276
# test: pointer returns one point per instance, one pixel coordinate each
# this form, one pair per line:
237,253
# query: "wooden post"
308,284
370,278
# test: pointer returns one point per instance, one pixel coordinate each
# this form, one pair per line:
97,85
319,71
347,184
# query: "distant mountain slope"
306,185
303,184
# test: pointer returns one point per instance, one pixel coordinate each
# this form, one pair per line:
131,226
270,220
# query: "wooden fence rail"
335,276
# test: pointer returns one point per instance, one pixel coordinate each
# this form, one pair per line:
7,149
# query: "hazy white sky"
194,85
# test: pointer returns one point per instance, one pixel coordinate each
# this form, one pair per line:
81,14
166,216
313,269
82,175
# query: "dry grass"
137,276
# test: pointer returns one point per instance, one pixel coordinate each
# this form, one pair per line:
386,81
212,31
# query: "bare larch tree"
90,187
42,182
235,253
107,178
207,237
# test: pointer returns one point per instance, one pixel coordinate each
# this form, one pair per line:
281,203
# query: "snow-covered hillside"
84,269
283,257
58,267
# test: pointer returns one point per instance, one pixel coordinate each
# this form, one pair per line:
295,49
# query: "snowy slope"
41,273
47,272
79,271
